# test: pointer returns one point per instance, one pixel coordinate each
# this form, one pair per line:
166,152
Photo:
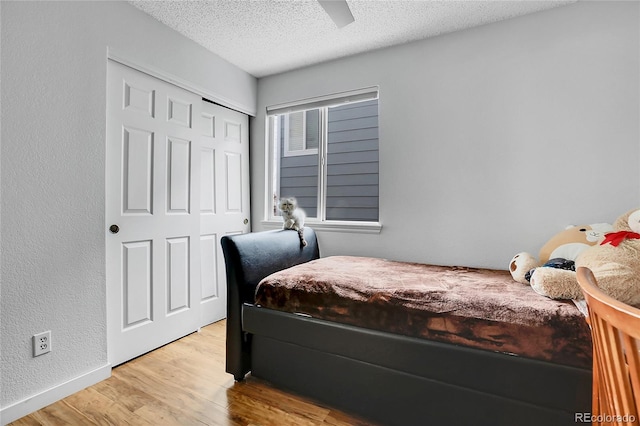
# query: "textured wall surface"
54,61
492,139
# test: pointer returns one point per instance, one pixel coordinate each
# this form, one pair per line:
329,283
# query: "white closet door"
153,238
224,198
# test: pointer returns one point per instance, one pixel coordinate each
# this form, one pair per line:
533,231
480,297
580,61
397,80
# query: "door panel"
153,262
209,262
139,97
233,176
207,181
224,208
179,112
179,175
232,131
136,285
178,284
137,171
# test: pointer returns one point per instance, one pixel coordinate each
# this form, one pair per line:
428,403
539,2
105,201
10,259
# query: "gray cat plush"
293,217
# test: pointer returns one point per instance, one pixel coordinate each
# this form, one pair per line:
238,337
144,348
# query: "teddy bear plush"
560,252
615,263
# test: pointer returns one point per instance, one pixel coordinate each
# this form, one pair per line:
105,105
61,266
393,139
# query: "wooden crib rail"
615,330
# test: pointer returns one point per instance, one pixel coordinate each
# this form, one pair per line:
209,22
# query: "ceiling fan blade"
339,11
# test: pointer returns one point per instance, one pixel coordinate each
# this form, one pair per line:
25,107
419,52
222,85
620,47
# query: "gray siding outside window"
352,162
352,166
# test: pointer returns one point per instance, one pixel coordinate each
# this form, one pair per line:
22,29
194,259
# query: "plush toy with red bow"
559,252
615,263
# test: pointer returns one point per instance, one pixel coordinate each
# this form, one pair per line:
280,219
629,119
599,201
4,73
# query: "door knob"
246,221
114,229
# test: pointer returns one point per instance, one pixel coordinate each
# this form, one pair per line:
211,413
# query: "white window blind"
296,132
358,95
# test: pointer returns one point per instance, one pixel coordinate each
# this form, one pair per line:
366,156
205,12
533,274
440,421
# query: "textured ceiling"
265,37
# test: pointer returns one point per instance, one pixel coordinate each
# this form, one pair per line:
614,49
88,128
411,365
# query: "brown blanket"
479,308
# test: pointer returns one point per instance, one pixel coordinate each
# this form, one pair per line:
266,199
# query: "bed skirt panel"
402,380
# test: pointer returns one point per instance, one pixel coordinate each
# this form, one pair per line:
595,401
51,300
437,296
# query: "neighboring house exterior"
352,163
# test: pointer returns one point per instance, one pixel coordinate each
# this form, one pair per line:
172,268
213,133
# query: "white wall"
491,139
54,61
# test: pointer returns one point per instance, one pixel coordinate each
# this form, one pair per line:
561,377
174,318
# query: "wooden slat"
184,383
615,329
353,146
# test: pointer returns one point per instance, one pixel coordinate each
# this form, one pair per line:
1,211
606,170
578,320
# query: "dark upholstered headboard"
248,259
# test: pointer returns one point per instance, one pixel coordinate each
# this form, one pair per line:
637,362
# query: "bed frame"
382,377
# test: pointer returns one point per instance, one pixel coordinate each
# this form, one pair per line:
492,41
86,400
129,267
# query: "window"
324,152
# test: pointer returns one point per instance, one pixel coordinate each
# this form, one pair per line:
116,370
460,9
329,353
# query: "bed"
445,369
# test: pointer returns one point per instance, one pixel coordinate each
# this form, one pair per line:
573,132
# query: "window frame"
272,158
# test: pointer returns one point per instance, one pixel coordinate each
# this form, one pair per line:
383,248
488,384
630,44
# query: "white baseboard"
56,393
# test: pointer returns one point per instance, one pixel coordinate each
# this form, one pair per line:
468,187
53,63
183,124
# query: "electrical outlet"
41,343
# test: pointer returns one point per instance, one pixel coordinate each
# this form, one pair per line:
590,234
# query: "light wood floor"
183,384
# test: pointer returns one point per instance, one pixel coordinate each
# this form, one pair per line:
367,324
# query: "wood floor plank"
197,386
259,413
195,363
101,410
61,413
167,393
184,383
122,392
26,421
162,414
259,392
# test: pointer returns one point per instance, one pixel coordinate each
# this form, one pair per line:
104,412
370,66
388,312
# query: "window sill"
333,226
